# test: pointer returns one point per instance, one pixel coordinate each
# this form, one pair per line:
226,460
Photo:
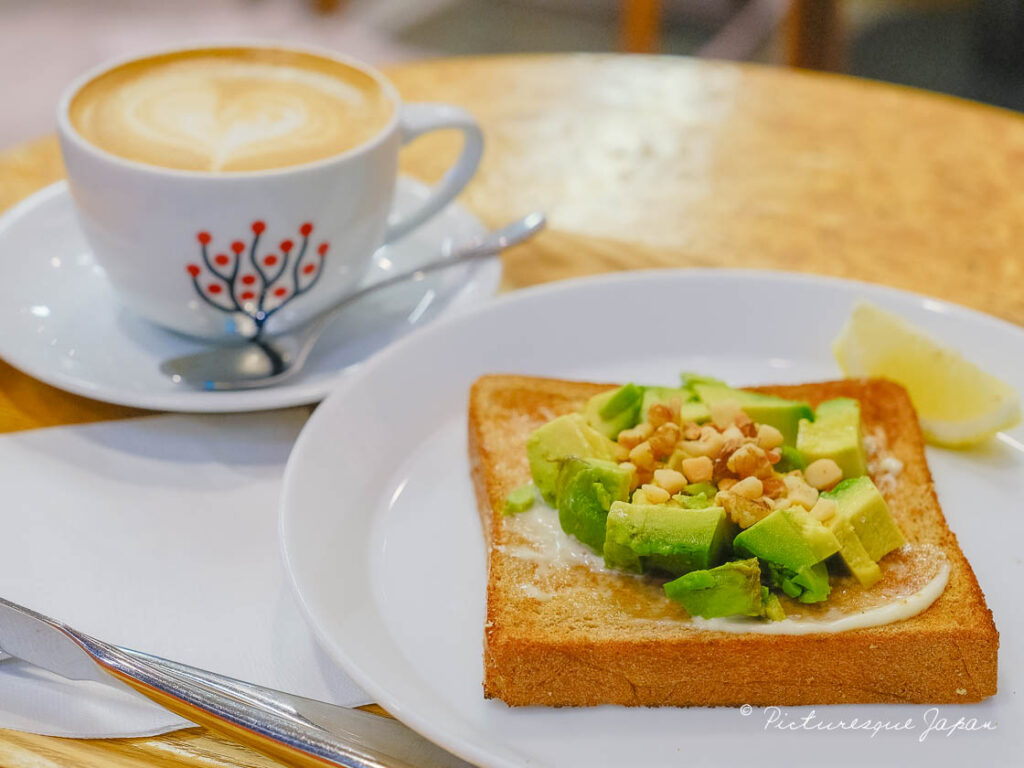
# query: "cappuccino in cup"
243,189
230,109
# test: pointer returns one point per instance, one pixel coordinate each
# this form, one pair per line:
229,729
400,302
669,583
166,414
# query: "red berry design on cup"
272,282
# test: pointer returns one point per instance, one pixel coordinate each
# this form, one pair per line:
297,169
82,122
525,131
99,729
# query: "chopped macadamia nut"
631,438
642,456
741,510
621,452
724,413
726,483
659,414
655,494
749,460
709,444
748,488
675,405
823,474
664,439
670,480
768,437
825,509
799,492
698,469
733,435
774,486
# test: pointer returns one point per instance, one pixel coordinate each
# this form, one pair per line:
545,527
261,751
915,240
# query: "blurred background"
968,48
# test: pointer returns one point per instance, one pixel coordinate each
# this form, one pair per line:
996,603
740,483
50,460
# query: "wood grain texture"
663,162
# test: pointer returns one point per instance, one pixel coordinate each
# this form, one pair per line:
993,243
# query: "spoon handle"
482,247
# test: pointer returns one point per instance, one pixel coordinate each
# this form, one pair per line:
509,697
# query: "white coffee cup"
177,244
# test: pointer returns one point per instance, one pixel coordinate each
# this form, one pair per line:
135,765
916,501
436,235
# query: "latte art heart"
221,113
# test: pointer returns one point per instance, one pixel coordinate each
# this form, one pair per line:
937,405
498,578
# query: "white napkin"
159,534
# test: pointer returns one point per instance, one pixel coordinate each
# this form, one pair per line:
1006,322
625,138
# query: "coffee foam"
230,110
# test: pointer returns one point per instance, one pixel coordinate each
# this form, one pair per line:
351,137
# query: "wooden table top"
656,162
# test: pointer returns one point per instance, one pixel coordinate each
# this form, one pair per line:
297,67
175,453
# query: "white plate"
381,537
62,323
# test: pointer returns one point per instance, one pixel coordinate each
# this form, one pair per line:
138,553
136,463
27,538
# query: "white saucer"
62,323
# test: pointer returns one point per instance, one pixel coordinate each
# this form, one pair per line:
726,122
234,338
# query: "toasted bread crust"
585,650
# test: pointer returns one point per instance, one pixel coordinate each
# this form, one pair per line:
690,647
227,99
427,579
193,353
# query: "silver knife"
297,730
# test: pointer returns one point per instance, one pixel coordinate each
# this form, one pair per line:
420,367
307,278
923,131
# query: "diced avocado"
808,584
611,412
853,554
695,411
520,499
791,538
586,490
732,589
780,413
860,503
773,609
834,434
791,459
668,538
551,444
794,546
700,501
699,489
688,378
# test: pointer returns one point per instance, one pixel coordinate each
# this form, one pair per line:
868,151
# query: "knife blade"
298,730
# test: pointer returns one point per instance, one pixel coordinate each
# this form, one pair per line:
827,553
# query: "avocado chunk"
778,412
793,545
611,412
695,411
688,378
551,444
791,459
834,434
701,489
700,501
732,589
863,507
520,499
642,537
853,554
773,609
586,490
808,584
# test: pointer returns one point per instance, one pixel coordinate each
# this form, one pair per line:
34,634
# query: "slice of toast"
581,637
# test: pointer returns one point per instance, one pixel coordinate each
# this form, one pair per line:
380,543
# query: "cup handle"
418,119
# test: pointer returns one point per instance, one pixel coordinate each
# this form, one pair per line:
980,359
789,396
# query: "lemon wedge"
958,403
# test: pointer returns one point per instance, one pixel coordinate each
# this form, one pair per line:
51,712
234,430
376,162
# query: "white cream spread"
550,547
549,544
